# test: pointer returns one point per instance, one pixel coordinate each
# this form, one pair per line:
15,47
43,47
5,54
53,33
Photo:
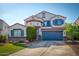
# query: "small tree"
72,31
31,33
69,31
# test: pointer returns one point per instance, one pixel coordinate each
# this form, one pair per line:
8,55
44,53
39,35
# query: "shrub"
72,31
3,38
19,44
31,33
10,41
76,35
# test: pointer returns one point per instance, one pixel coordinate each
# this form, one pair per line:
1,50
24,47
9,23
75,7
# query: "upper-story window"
47,23
58,22
43,15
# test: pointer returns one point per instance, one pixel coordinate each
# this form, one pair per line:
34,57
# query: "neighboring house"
49,26
77,21
3,28
17,32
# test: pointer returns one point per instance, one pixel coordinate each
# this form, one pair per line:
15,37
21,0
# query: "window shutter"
22,32
43,23
12,32
48,23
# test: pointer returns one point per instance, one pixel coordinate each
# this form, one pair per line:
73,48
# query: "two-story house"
3,28
49,26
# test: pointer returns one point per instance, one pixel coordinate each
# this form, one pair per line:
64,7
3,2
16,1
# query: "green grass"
9,49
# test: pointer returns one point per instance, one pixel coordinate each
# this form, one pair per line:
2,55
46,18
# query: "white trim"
57,18
64,33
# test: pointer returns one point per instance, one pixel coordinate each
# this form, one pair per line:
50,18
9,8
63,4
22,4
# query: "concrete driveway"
38,44
46,48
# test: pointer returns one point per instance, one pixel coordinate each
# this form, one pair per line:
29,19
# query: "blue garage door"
52,35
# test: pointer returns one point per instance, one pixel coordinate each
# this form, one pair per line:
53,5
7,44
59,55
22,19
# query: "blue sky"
13,13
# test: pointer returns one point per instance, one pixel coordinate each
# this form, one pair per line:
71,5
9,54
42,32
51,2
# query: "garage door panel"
52,35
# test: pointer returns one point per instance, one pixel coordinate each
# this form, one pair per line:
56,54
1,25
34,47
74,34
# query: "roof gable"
45,12
17,24
3,22
48,16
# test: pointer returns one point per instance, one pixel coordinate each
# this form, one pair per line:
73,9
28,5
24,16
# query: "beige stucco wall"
34,23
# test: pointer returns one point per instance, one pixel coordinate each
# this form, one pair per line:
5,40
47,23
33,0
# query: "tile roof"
33,18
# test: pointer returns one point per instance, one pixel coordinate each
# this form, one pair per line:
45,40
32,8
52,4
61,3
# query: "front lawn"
9,49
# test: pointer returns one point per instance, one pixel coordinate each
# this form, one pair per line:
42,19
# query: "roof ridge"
46,12
17,23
